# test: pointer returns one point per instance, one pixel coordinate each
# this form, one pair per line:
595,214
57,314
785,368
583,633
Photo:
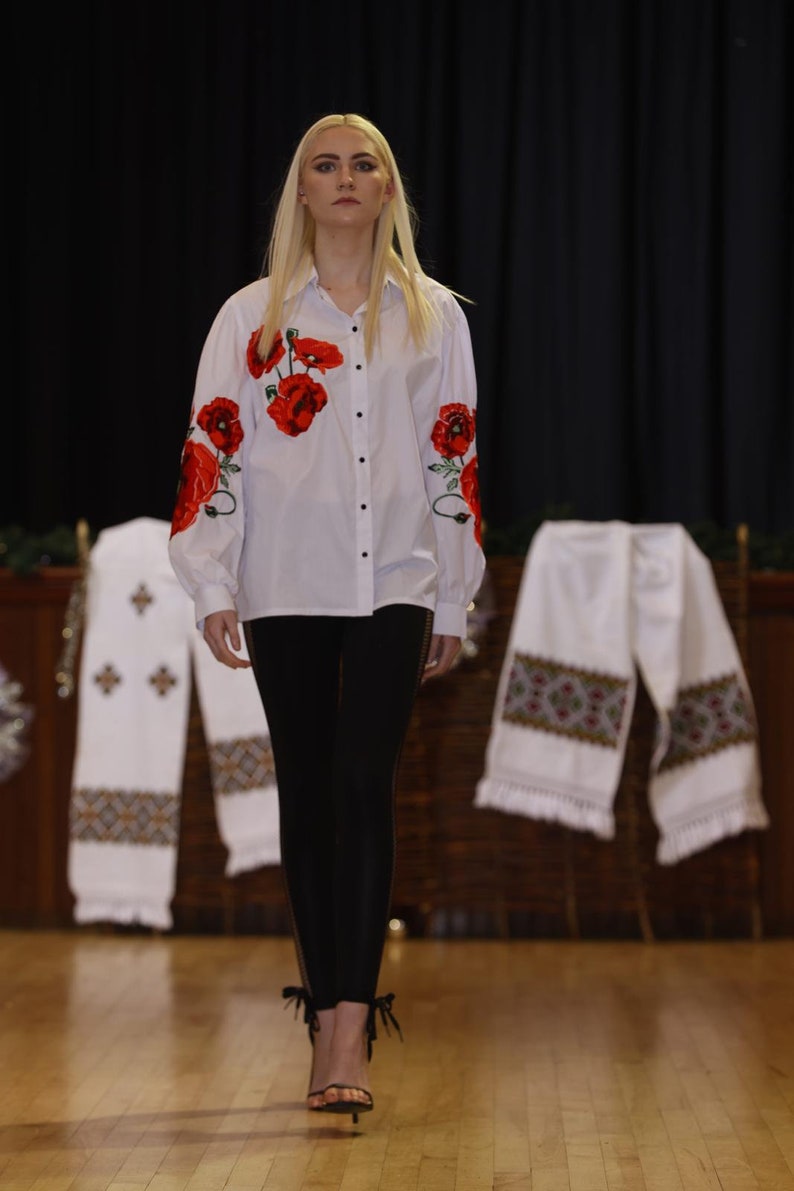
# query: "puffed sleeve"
209,515
450,468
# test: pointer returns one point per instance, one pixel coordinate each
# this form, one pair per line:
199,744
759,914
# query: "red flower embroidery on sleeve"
470,490
204,475
316,353
199,476
220,422
453,433
257,366
299,399
452,436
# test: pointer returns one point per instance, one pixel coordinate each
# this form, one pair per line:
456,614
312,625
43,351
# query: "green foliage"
24,552
515,538
772,552
768,552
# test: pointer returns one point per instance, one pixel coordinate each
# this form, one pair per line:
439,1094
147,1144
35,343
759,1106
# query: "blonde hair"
290,254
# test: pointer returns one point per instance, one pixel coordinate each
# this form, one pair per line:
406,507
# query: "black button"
363,554
358,367
361,459
355,328
359,414
363,506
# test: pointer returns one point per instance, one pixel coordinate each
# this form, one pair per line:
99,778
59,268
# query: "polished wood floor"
130,1062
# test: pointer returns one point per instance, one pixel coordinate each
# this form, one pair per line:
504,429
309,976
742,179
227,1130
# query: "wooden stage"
167,1063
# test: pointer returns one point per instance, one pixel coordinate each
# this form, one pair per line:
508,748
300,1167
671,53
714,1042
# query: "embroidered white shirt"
321,483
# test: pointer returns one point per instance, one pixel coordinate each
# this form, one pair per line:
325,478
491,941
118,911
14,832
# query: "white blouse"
318,483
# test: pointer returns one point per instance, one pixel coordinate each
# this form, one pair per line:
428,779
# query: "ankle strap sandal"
297,997
382,1006
301,996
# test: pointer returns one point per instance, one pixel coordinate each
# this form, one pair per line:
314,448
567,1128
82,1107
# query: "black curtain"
610,182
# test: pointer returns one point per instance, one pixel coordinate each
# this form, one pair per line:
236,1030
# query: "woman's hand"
220,627
441,655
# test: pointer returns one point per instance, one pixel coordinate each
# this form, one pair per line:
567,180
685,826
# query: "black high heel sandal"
298,997
383,1006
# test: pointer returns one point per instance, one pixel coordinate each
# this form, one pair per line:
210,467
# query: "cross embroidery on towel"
107,679
162,680
244,763
141,599
550,697
124,816
706,718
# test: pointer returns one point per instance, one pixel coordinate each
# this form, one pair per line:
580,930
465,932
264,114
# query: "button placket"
361,447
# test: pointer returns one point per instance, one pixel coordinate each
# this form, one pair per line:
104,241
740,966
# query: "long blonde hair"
290,254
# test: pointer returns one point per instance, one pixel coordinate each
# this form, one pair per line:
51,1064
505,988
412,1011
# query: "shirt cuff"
216,598
450,620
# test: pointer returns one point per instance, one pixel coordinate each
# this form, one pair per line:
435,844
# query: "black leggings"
337,693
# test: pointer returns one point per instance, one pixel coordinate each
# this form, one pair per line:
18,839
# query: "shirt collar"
303,279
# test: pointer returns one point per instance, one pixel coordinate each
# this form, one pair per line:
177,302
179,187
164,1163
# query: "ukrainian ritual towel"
598,600
133,701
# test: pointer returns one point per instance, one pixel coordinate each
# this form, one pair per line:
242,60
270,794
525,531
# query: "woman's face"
343,183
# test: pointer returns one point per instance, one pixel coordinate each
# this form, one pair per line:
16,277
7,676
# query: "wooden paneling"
34,802
460,871
772,671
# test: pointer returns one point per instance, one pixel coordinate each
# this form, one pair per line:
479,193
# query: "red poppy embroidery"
299,399
256,365
198,480
452,436
470,490
315,353
453,433
203,475
220,423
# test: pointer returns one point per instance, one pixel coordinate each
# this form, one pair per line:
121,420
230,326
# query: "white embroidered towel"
567,686
595,598
133,701
241,760
132,721
705,780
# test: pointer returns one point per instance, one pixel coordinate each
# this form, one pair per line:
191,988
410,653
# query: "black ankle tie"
298,997
383,1006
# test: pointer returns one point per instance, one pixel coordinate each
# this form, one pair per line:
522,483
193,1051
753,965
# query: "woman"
329,501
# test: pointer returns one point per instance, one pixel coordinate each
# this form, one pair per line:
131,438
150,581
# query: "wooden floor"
131,1062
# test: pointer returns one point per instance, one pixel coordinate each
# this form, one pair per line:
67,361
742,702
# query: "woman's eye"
365,165
324,167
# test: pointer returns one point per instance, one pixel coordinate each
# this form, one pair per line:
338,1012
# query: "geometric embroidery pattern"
245,763
162,680
582,704
707,718
124,816
141,599
107,679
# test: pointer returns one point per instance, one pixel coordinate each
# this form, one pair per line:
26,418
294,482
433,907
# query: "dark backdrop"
610,181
